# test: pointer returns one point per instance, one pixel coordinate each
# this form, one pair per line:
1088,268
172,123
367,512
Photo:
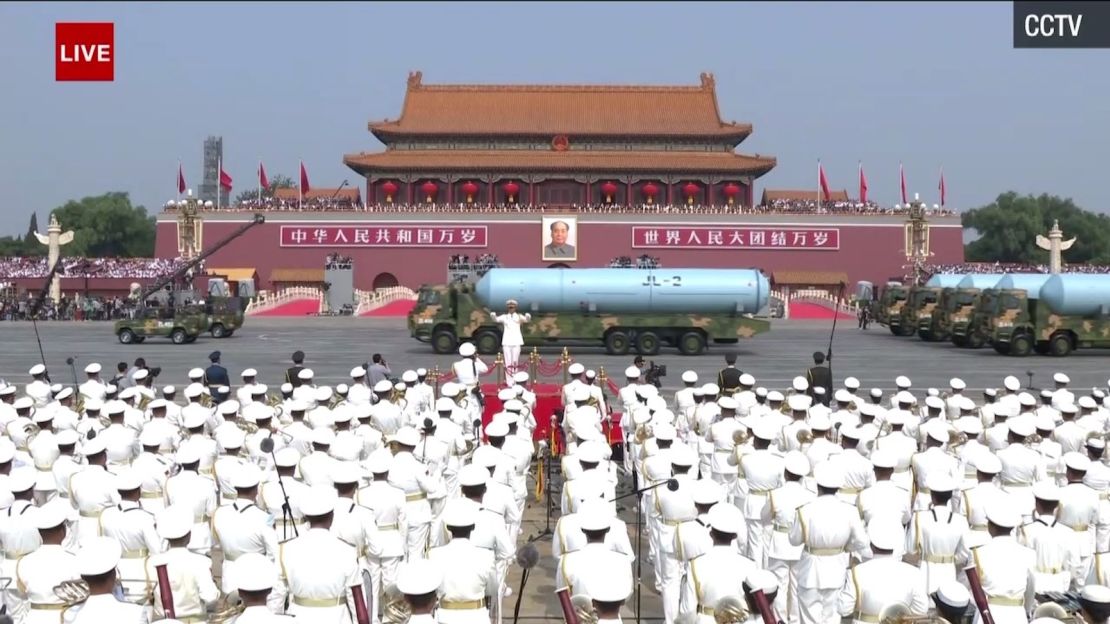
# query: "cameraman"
378,370
649,372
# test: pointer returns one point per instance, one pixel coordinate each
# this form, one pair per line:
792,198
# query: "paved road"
334,345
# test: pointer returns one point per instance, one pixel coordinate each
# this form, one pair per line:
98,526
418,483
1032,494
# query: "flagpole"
178,179
300,185
259,181
219,180
818,184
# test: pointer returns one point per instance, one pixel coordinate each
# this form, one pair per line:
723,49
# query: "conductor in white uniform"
511,338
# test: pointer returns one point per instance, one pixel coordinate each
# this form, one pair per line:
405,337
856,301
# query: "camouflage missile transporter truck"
447,315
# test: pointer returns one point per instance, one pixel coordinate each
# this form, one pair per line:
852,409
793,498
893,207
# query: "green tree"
107,226
17,246
32,227
276,182
1009,226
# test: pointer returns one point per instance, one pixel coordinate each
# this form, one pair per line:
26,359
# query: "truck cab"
1011,323
960,307
924,304
181,324
888,307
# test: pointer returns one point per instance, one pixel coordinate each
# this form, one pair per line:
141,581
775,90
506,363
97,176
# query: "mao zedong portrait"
559,248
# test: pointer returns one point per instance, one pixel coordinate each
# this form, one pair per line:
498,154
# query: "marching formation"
863,505
383,501
356,503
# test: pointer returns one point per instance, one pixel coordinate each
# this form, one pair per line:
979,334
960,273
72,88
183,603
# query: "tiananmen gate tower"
559,175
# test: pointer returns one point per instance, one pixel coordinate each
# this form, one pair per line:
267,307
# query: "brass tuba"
584,609
730,610
643,432
740,437
804,436
146,401
72,592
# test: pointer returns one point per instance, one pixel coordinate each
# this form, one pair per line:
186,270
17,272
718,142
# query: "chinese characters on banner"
468,236
702,237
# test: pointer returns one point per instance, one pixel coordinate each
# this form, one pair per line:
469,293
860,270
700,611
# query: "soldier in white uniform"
1079,509
416,480
37,573
38,389
1055,544
778,514
828,529
92,489
760,470
255,582
317,567
511,338
418,582
1062,396
190,574
96,563
195,491
468,372
94,387
936,532
1005,567
133,527
469,591
387,540
241,527
882,581
718,573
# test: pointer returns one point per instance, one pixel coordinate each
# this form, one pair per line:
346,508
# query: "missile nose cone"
484,287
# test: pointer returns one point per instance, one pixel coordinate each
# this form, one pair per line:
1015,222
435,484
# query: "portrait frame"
567,252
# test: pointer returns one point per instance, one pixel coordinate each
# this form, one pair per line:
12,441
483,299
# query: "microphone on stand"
527,557
267,446
672,485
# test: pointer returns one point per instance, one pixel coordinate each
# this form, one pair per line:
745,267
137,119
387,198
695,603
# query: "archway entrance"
559,265
385,280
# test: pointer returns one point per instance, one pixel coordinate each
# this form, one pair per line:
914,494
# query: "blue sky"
927,84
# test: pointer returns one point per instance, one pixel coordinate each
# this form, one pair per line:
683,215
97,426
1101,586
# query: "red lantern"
390,189
511,189
610,190
650,191
429,189
691,191
731,191
470,189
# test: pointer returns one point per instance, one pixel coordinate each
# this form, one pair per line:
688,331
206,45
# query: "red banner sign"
468,236
708,237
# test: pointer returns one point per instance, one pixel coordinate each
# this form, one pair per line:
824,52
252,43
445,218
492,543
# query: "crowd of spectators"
14,308
1010,267
481,263
782,206
16,267
628,262
336,261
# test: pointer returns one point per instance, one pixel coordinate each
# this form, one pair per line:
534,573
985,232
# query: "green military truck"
1071,311
888,309
966,316
923,306
225,315
447,315
181,324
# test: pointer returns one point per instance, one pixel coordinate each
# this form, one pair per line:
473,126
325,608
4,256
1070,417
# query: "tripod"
267,446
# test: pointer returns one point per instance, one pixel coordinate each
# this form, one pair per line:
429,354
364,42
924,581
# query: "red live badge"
84,51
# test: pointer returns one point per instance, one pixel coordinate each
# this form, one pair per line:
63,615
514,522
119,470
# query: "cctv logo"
84,52
1061,24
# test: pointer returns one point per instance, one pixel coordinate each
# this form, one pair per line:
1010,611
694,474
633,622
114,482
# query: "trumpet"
804,436
206,400
146,401
247,426
72,592
79,404
643,432
956,438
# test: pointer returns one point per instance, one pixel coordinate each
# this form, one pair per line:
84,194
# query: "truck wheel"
959,341
228,333
218,331
647,343
691,343
1060,345
925,335
1021,346
974,341
444,341
893,329
178,336
487,342
616,343
191,339
126,336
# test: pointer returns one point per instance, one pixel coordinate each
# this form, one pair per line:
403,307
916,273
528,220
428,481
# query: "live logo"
84,51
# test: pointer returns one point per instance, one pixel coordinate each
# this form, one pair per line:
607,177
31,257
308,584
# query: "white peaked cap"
954,594
957,384
885,534
250,372
467,349
408,376
1011,383
726,518
1061,378
631,372
799,384
851,383
305,374
175,522
576,369
98,555
37,369
358,371
383,386
687,377
1004,514
93,368
419,577
796,463
255,572
747,380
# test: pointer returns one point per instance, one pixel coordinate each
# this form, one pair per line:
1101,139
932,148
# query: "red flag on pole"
304,179
823,181
225,179
180,179
943,190
902,175
862,185
263,181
